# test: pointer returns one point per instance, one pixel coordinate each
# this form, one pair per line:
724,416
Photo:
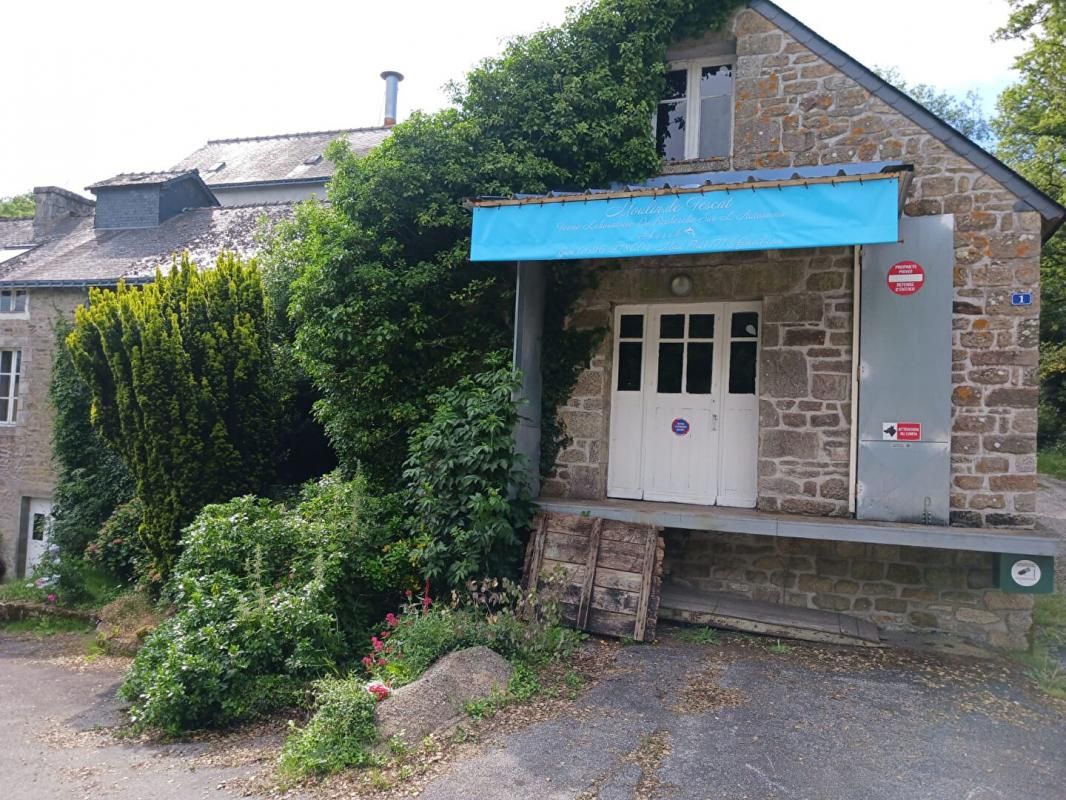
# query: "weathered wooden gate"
612,572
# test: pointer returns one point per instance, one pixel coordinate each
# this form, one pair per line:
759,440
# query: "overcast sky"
98,88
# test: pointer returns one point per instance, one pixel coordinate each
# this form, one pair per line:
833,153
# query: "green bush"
339,735
269,597
469,496
117,547
184,387
91,480
522,626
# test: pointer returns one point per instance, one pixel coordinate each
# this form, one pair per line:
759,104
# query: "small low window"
695,117
10,369
12,301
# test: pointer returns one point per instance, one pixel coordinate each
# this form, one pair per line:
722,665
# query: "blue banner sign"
761,218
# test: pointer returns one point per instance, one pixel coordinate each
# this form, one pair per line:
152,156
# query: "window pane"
742,367
671,355
672,326
20,302
5,386
716,81
3,411
39,527
670,130
629,358
5,302
700,360
716,123
5,361
701,326
676,84
632,326
744,325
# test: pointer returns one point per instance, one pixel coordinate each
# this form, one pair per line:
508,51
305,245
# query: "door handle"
714,422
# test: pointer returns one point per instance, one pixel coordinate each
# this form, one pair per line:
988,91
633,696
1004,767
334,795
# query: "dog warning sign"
901,431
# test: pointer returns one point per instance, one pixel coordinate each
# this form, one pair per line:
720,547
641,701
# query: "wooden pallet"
682,604
611,572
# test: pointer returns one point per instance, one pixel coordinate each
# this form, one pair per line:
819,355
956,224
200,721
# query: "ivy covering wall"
388,310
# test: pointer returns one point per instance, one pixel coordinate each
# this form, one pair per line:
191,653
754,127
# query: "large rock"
437,700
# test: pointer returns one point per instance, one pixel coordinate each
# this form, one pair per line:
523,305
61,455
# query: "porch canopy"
715,212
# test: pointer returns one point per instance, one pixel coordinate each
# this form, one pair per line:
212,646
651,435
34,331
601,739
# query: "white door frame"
36,548
627,440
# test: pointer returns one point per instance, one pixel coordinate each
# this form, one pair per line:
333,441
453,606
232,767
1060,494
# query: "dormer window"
695,118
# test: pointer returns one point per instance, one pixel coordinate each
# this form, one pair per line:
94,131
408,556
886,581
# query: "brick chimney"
53,205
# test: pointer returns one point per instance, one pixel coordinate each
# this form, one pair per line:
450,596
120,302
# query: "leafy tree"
390,310
184,387
1031,126
91,480
964,113
20,205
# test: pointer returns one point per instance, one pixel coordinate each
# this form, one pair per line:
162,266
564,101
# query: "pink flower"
426,602
409,594
368,662
384,634
391,620
377,643
51,598
379,690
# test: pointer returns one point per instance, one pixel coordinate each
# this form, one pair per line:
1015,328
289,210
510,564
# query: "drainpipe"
392,89
855,365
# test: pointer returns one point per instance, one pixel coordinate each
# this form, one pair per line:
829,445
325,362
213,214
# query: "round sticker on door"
1025,572
680,426
906,277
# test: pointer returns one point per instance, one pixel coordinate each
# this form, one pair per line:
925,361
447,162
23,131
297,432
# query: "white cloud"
93,89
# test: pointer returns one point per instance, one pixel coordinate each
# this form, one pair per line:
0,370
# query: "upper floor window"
695,118
10,367
12,301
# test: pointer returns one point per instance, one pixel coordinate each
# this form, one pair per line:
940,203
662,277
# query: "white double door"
684,413
38,531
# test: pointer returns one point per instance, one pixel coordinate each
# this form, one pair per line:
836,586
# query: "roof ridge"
295,135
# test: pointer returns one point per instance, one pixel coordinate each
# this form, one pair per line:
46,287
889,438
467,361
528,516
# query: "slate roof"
140,179
16,232
88,256
291,158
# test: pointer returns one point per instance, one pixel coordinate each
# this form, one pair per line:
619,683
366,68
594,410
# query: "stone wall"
804,369
26,447
793,109
912,588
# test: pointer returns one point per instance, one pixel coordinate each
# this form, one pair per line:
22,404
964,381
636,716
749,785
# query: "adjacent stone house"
819,372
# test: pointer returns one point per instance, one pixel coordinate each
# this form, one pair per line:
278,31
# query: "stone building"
819,372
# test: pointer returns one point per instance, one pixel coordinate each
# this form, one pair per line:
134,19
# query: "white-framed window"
695,118
10,369
12,301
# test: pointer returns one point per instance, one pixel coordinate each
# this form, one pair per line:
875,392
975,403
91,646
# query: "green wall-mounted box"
1024,574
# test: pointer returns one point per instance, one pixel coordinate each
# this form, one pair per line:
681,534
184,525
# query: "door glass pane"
632,326
744,325
629,357
700,361
39,526
701,326
670,130
671,357
672,326
742,367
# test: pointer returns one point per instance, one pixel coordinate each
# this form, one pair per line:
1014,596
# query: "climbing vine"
388,309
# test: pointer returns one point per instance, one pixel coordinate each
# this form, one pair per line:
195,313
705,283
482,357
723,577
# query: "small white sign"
1025,572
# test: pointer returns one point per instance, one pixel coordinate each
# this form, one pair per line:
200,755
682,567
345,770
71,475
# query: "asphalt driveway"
731,720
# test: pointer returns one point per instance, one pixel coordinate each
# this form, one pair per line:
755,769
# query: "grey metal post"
528,330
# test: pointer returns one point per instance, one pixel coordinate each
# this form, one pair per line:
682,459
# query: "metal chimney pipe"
392,88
